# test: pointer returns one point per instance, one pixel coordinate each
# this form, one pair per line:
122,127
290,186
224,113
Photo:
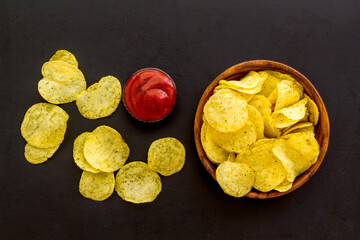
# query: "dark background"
193,41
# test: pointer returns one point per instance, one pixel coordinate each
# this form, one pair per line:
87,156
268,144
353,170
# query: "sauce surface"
149,95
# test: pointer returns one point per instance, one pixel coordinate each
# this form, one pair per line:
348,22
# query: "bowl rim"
257,65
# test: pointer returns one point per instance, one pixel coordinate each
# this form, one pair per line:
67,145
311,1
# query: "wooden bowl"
322,130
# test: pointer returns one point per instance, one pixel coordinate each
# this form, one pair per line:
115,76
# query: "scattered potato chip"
297,152
137,183
100,99
166,156
287,95
97,186
246,96
213,151
288,116
78,154
256,118
269,171
296,126
104,149
312,109
61,82
36,155
238,141
226,111
235,179
65,56
44,125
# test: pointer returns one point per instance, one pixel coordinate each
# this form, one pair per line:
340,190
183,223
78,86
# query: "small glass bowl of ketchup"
149,95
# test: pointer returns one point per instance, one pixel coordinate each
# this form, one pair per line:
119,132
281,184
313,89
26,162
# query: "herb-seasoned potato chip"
166,156
61,82
283,76
288,116
213,151
296,126
297,152
284,186
262,104
44,125
78,154
238,141
104,149
137,183
226,111
100,99
97,186
312,109
287,94
235,179
269,171
65,56
270,83
250,84
36,155
246,96
256,118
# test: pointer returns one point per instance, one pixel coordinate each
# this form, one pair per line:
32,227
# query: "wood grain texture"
322,130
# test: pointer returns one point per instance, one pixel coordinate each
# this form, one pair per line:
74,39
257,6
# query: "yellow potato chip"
262,104
78,154
269,129
273,97
284,186
270,83
232,157
251,78
256,118
97,186
213,151
288,116
226,111
36,155
235,179
61,82
269,171
238,141
287,95
100,99
44,125
246,96
65,56
296,126
304,129
137,183
104,149
166,156
297,152
312,109
283,76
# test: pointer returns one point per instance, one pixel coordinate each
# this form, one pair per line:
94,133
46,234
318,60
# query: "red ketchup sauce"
149,95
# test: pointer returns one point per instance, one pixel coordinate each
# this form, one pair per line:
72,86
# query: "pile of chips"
103,151
260,131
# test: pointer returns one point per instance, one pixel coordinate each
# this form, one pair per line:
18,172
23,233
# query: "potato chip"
251,78
269,130
238,141
97,186
269,171
235,179
261,104
284,186
297,152
61,82
78,154
137,183
287,95
270,83
256,118
304,129
273,96
44,125
65,56
231,157
36,155
283,76
100,99
226,111
104,149
166,156
296,126
312,109
288,116
213,151
246,96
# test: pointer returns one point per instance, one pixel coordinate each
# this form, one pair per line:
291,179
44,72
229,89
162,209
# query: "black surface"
193,41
